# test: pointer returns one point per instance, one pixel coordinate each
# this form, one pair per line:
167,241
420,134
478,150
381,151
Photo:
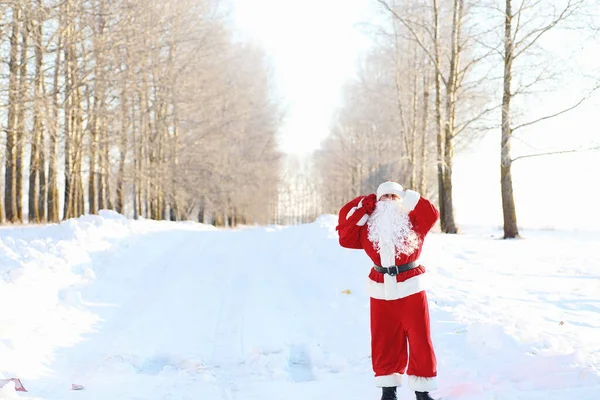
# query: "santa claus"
390,227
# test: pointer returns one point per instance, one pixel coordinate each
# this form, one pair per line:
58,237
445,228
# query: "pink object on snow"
18,385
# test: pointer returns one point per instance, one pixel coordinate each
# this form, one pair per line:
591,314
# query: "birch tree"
524,26
453,61
37,179
414,96
13,135
152,109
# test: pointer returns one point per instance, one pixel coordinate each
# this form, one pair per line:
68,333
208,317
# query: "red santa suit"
398,304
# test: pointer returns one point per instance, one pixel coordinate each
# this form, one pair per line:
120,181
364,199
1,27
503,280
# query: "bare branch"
492,49
474,61
478,117
519,14
556,152
569,9
541,76
560,112
416,37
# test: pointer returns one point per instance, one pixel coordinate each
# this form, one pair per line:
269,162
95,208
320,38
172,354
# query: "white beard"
389,225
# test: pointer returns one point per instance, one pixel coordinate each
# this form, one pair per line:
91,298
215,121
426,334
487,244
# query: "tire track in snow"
244,267
228,349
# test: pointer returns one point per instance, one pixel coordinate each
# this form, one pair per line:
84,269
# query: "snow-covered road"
158,310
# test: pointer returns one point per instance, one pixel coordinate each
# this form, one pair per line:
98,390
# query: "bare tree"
13,136
154,105
523,28
453,60
367,143
390,123
37,182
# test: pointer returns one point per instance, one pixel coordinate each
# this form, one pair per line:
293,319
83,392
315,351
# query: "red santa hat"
390,187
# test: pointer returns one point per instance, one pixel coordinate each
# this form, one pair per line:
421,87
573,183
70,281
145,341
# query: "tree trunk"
105,192
53,201
20,138
36,166
76,148
74,195
440,139
126,116
42,183
120,201
10,177
172,123
105,195
68,113
158,165
137,201
451,98
414,124
1,199
145,165
175,167
93,157
508,202
424,136
98,113
79,192
43,189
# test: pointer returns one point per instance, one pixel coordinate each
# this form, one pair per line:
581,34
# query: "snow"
161,310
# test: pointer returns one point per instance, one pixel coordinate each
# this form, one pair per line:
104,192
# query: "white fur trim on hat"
390,187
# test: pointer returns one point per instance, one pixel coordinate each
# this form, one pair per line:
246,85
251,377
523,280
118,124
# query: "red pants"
398,326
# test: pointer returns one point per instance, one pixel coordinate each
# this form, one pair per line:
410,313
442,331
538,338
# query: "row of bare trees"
152,109
441,74
299,193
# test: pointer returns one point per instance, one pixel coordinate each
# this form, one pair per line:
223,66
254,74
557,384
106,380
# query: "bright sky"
314,45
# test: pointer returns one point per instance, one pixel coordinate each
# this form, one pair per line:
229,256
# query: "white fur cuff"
410,200
421,384
392,380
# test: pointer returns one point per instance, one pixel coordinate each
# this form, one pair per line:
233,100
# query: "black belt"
396,269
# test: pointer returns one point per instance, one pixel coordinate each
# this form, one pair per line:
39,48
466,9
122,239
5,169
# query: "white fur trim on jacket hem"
398,290
421,384
410,200
388,380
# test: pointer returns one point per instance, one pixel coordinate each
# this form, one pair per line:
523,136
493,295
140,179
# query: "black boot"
388,393
423,396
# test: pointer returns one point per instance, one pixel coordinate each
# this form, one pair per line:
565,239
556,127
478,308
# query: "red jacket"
353,234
